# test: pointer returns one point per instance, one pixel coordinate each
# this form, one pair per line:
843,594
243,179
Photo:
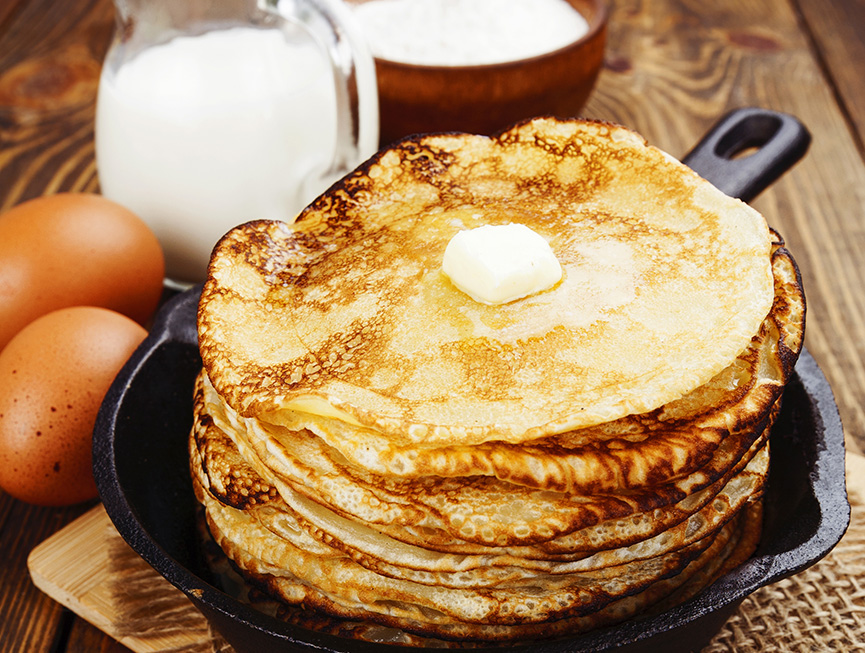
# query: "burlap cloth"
819,609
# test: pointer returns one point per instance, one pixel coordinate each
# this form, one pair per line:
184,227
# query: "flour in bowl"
468,32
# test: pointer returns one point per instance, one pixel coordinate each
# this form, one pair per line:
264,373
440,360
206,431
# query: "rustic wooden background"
672,68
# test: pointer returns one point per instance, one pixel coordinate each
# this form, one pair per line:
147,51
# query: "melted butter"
317,406
497,264
598,278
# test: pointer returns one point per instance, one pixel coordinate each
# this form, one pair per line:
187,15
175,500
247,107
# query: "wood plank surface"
29,620
50,58
50,61
672,68
836,28
89,569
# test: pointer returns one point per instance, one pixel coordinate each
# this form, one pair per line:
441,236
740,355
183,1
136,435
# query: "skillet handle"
779,140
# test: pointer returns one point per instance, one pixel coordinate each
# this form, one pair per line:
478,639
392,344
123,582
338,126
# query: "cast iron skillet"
141,467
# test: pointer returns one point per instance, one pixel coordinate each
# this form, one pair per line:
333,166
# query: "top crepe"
347,313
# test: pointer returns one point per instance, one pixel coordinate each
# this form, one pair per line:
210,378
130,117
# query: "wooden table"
672,68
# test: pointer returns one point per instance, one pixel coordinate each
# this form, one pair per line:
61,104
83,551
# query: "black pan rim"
175,326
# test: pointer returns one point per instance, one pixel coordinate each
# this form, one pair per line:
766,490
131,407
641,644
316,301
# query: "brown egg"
75,249
53,376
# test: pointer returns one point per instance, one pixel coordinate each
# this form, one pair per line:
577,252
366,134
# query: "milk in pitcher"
202,133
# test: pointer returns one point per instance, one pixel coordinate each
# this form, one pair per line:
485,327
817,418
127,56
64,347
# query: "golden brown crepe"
392,460
346,313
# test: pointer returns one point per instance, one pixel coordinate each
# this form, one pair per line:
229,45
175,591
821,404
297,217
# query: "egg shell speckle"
53,376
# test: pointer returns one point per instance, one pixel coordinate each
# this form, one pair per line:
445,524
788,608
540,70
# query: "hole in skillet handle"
772,141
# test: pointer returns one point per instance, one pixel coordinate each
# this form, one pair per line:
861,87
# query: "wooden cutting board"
88,568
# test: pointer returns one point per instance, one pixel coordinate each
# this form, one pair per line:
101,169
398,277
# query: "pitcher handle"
332,25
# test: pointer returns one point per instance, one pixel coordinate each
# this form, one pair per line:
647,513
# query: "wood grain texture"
835,28
88,568
50,63
86,638
50,58
673,67
31,621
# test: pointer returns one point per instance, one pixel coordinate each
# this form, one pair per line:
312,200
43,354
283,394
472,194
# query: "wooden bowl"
484,99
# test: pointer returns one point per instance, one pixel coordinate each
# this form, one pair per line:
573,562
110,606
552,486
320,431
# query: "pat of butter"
496,264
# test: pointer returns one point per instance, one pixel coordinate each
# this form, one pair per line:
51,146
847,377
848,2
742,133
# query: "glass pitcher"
212,113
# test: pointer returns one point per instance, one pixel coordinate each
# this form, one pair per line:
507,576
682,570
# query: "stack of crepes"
392,459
